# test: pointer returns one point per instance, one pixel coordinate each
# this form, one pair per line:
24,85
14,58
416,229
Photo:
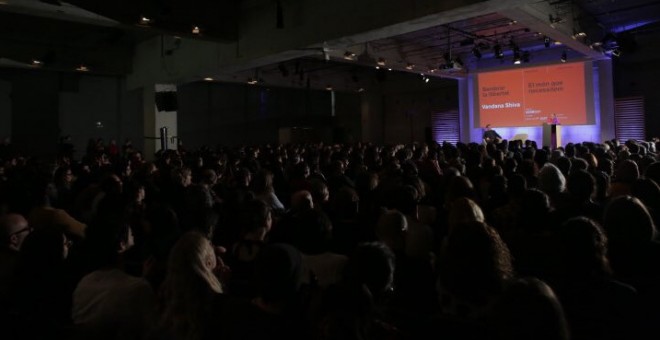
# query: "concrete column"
372,116
606,95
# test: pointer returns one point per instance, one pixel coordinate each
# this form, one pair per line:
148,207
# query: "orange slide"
530,96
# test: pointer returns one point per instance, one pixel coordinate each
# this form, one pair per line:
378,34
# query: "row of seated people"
359,241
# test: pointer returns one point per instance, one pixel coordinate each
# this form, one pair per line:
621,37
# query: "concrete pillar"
605,93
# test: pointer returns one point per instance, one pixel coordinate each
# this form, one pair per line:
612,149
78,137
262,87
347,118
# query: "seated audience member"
276,311
634,251
352,309
464,210
490,136
44,216
191,295
467,293
527,309
42,291
256,222
582,191
648,191
596,305
626,174
108,303
419,238
262,184
13,231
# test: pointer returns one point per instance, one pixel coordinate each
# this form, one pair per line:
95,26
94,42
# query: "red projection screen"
531,96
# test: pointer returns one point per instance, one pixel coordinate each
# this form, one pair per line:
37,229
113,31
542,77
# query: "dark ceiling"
108,49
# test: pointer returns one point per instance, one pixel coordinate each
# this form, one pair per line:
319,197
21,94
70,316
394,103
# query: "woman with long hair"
191,289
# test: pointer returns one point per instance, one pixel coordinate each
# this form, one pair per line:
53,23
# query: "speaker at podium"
551,135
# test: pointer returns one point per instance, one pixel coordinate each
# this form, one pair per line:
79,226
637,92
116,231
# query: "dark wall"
641,79
399,109
231,114
45,105
35,120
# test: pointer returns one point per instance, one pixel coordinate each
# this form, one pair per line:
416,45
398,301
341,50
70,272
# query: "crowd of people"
320,241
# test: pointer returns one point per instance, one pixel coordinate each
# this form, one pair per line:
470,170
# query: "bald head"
14,229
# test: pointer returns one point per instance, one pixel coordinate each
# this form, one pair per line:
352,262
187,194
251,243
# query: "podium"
551,135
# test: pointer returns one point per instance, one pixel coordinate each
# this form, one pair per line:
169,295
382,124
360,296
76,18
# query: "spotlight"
144,20
476,52
82,68
389,69
252,81
410,66
37,63
328,87
564,57
349,55
208,79
546,42
196,30
427,80
381,62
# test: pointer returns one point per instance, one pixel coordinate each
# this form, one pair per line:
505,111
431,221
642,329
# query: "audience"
323,241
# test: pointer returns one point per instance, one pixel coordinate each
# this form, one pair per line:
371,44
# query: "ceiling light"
378,67
389,69
328,87
513,22
427,79
208,79
196,30
557,42
349,55
381,62
410,66
252,81
145,20
361,89
564,57
37,63
82,68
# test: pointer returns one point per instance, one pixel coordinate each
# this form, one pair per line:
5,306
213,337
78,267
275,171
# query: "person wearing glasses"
13,230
